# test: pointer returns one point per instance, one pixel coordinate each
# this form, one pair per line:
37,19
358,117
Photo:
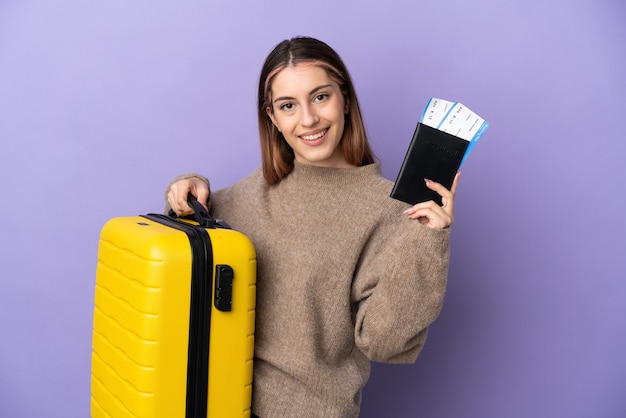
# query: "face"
309,109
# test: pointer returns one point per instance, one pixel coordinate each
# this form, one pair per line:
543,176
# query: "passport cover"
434,155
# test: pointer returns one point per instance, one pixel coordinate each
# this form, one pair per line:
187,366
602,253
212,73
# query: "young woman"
346,274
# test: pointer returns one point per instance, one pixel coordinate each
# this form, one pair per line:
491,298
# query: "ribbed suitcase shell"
141,327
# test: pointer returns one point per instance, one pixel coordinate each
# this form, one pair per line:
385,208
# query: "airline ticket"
456,119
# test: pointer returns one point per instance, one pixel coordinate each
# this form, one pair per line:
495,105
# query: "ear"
270,114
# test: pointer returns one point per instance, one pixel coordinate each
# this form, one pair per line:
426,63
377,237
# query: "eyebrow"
312,92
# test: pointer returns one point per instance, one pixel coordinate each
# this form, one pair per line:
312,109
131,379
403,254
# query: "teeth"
314,137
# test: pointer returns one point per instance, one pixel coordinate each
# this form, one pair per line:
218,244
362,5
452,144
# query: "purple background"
102,103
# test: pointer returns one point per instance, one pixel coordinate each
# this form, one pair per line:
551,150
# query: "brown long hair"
277,156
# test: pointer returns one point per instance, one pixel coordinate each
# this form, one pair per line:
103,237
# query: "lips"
315,136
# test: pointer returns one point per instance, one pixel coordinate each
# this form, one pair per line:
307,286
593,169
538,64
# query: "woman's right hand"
179,192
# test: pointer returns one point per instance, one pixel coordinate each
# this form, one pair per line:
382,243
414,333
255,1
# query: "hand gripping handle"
201,215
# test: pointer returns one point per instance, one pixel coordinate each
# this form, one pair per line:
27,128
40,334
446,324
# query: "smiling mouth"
314,137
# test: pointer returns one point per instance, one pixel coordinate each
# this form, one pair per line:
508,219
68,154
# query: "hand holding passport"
444,137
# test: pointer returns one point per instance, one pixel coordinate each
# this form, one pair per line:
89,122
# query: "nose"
309,116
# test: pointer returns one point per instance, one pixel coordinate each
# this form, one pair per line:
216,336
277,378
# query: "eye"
286,106
321,97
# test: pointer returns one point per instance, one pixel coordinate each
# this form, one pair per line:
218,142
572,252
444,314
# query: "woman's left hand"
430,213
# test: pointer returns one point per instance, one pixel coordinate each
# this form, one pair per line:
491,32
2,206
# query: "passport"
445,135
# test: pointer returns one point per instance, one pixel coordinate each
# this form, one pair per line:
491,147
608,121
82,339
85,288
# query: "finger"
455,182
175,204
202,195
437,187
448,200
447,196
178,197
432,218
429,209
434,211
422,205
431,214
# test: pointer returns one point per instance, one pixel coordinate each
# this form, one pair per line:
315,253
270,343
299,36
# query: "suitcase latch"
223,287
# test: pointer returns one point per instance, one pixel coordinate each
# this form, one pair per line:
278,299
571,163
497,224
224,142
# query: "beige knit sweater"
343,278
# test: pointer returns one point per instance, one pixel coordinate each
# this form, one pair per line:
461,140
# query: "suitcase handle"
201,215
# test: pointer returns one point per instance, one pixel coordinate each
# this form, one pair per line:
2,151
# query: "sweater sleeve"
398,289
184,177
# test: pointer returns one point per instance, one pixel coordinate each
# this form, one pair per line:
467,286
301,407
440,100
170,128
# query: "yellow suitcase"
173,332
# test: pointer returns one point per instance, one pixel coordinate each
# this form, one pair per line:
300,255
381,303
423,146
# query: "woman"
346,275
